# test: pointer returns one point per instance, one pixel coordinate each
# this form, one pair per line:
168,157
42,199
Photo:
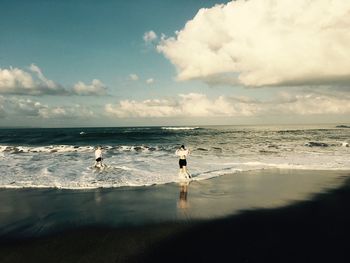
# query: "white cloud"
199,105
149,36
20,82
150,81
146,108
257,43
16,81
48,83
133,77
21,106
311,104
188,105
96,88
64,112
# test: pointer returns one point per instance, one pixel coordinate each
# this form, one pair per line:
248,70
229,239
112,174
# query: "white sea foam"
151,160
72,148
72,170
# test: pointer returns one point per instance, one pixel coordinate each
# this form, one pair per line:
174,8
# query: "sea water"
139,156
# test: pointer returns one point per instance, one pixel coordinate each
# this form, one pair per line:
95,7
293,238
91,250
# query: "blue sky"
78,40
88,63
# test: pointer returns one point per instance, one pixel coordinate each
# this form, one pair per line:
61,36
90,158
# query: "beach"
258,194
174,131
269,215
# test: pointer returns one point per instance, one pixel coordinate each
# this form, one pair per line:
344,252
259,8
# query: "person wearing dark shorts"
182,152
182,163
98,157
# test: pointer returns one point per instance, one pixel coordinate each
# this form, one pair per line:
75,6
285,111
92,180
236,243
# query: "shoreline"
248,221
243,172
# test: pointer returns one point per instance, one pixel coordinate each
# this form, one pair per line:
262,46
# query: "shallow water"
137,156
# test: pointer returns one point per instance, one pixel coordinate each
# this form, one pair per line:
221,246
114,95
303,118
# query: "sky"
163,62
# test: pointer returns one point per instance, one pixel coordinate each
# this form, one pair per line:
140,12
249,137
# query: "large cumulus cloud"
259,43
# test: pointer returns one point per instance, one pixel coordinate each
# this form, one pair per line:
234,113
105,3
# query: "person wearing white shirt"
98,157
182,152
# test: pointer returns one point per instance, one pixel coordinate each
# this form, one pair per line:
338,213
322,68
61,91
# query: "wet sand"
260,216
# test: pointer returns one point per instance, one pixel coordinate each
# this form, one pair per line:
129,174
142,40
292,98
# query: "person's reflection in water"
97,196
182,203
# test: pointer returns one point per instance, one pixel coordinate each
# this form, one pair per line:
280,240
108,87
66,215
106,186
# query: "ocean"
143,156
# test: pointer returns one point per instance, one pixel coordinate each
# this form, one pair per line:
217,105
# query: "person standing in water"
182,152
98,157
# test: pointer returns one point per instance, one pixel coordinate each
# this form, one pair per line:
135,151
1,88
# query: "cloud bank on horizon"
264,43
13,106
187,105
199,105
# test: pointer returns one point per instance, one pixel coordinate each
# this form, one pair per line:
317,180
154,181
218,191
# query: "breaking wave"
145,156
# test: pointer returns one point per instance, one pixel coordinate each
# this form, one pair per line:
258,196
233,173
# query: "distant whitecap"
180,128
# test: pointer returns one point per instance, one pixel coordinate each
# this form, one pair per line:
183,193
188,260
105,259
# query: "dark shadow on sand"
309,231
